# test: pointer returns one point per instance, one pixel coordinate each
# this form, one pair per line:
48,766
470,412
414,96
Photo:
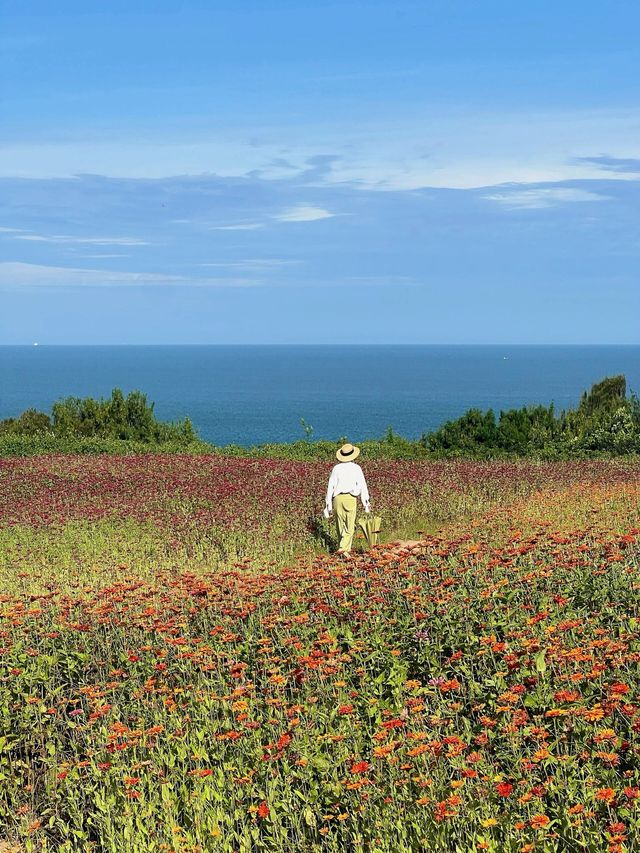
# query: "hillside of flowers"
83,516
184,667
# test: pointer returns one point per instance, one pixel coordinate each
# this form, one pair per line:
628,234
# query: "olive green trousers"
345,509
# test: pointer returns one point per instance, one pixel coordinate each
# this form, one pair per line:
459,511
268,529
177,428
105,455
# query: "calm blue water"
250,395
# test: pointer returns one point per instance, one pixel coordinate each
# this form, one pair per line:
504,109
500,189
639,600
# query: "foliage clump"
85,423
606,422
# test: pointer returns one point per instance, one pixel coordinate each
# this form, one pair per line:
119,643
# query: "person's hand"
326,512
367,509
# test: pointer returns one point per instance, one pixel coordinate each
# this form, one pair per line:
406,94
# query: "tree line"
116,418
606,422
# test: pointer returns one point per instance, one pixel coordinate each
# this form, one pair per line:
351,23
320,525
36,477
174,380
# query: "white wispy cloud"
89,241
13,273
253,263
446,147
304,213
6,230
542,197
240,226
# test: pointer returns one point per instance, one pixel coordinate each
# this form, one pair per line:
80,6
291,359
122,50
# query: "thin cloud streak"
249,226
89,241
538,198
465,150
617,165
304,213
253,263
20,274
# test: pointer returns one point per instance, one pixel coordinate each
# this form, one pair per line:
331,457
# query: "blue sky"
285,171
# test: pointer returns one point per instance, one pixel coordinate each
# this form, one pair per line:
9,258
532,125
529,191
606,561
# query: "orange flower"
539,821
610,758
540,755
284,740
594,714
263,810
619,689
418,750
387,749
605,795
359,767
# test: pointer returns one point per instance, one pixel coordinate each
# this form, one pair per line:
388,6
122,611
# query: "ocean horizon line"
307,345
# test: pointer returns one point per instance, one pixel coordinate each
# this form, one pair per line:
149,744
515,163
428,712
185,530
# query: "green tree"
30,422
605,421
605,396
472,432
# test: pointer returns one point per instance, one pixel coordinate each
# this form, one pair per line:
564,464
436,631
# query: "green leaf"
541,664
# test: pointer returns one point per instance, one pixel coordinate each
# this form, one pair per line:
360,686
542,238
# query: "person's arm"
364,493
328,507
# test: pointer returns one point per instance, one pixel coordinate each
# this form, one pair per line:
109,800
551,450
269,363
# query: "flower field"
184,668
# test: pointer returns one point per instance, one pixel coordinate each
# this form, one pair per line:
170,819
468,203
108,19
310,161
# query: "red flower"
284,741
263,810
504,789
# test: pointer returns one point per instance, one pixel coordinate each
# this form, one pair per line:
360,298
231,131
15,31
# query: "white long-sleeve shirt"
347,478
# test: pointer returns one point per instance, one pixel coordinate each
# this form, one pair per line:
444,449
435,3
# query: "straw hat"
347,453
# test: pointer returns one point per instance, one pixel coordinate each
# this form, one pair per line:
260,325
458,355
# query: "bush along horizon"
86,425
606,423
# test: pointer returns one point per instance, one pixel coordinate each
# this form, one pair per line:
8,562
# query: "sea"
258,394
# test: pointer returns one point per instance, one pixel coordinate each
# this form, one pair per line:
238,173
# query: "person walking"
346,485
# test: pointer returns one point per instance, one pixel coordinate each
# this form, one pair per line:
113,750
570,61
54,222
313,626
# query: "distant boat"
35,344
